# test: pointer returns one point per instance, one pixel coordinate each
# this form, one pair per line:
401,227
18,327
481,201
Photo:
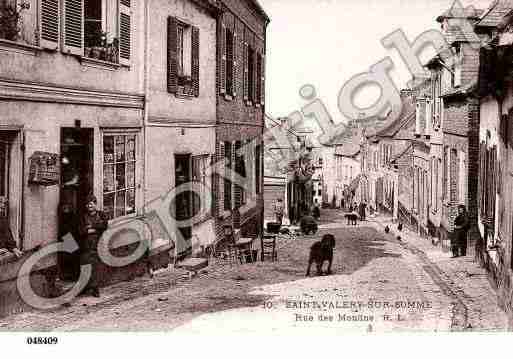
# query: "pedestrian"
461,226
7,243
316,212
278,210
92,225
361,211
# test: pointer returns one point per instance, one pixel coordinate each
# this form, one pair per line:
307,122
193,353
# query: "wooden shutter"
125,42
235,49
245,57
50,13
262,80
73,27
172,63
195,60
255,76
222,58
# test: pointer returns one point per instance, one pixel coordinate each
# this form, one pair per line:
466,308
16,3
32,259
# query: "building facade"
83,123
241,38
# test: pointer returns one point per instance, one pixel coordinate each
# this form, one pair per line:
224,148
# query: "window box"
107,53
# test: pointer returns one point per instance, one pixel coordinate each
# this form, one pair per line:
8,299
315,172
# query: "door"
10,185
76,184
183,200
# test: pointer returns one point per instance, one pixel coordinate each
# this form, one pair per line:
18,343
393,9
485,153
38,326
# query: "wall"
164,107
37,65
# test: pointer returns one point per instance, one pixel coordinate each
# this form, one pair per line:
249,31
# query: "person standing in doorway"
461,225
92,225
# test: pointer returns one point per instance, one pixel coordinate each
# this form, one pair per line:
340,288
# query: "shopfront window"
119,174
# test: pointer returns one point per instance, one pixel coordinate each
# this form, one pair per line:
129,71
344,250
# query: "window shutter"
195,60
245,50
255,79
124,32
222,60
262,80
172,64
73,28
235,50
50,24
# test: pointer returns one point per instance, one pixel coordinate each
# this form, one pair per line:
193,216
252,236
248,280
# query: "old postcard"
256,167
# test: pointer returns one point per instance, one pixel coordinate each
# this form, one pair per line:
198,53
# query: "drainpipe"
146,84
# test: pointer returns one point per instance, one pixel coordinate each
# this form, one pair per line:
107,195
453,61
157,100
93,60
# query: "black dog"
320,252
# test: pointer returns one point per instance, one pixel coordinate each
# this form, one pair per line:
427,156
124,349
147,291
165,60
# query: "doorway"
76,183
183,200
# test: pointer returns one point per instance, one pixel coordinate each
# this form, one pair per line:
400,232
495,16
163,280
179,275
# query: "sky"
326,42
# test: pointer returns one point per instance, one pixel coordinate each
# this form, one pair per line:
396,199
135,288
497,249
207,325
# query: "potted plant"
10,20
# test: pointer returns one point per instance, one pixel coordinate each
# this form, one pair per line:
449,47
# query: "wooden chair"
268,247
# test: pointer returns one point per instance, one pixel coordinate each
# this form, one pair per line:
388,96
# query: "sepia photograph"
255,168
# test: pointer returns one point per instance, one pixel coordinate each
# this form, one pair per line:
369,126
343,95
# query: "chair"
227,249
268,247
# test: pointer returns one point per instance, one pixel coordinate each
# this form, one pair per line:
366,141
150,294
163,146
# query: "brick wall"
470,65
236,119
455,117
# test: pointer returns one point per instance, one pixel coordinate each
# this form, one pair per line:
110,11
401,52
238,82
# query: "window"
258,158
458,62
258,79
227,176
184,53
250,75
230,57
182,58
454,175
200,165
240,169
106,29
444,173
119,174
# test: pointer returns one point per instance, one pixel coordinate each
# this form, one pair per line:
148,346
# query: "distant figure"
400,227
316,212
342,203
387,229
308,225
461,225
361,210
278,210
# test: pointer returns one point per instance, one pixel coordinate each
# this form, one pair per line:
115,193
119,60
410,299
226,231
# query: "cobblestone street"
379,284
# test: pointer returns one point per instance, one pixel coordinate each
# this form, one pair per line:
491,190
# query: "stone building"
72,91
180,114
241,42
494,247
460,124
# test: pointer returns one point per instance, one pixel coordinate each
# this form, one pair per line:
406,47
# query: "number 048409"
42,340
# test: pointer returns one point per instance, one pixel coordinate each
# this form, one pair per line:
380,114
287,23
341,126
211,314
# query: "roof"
464,90
355,128
455,12
401,121
260,9
495,13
